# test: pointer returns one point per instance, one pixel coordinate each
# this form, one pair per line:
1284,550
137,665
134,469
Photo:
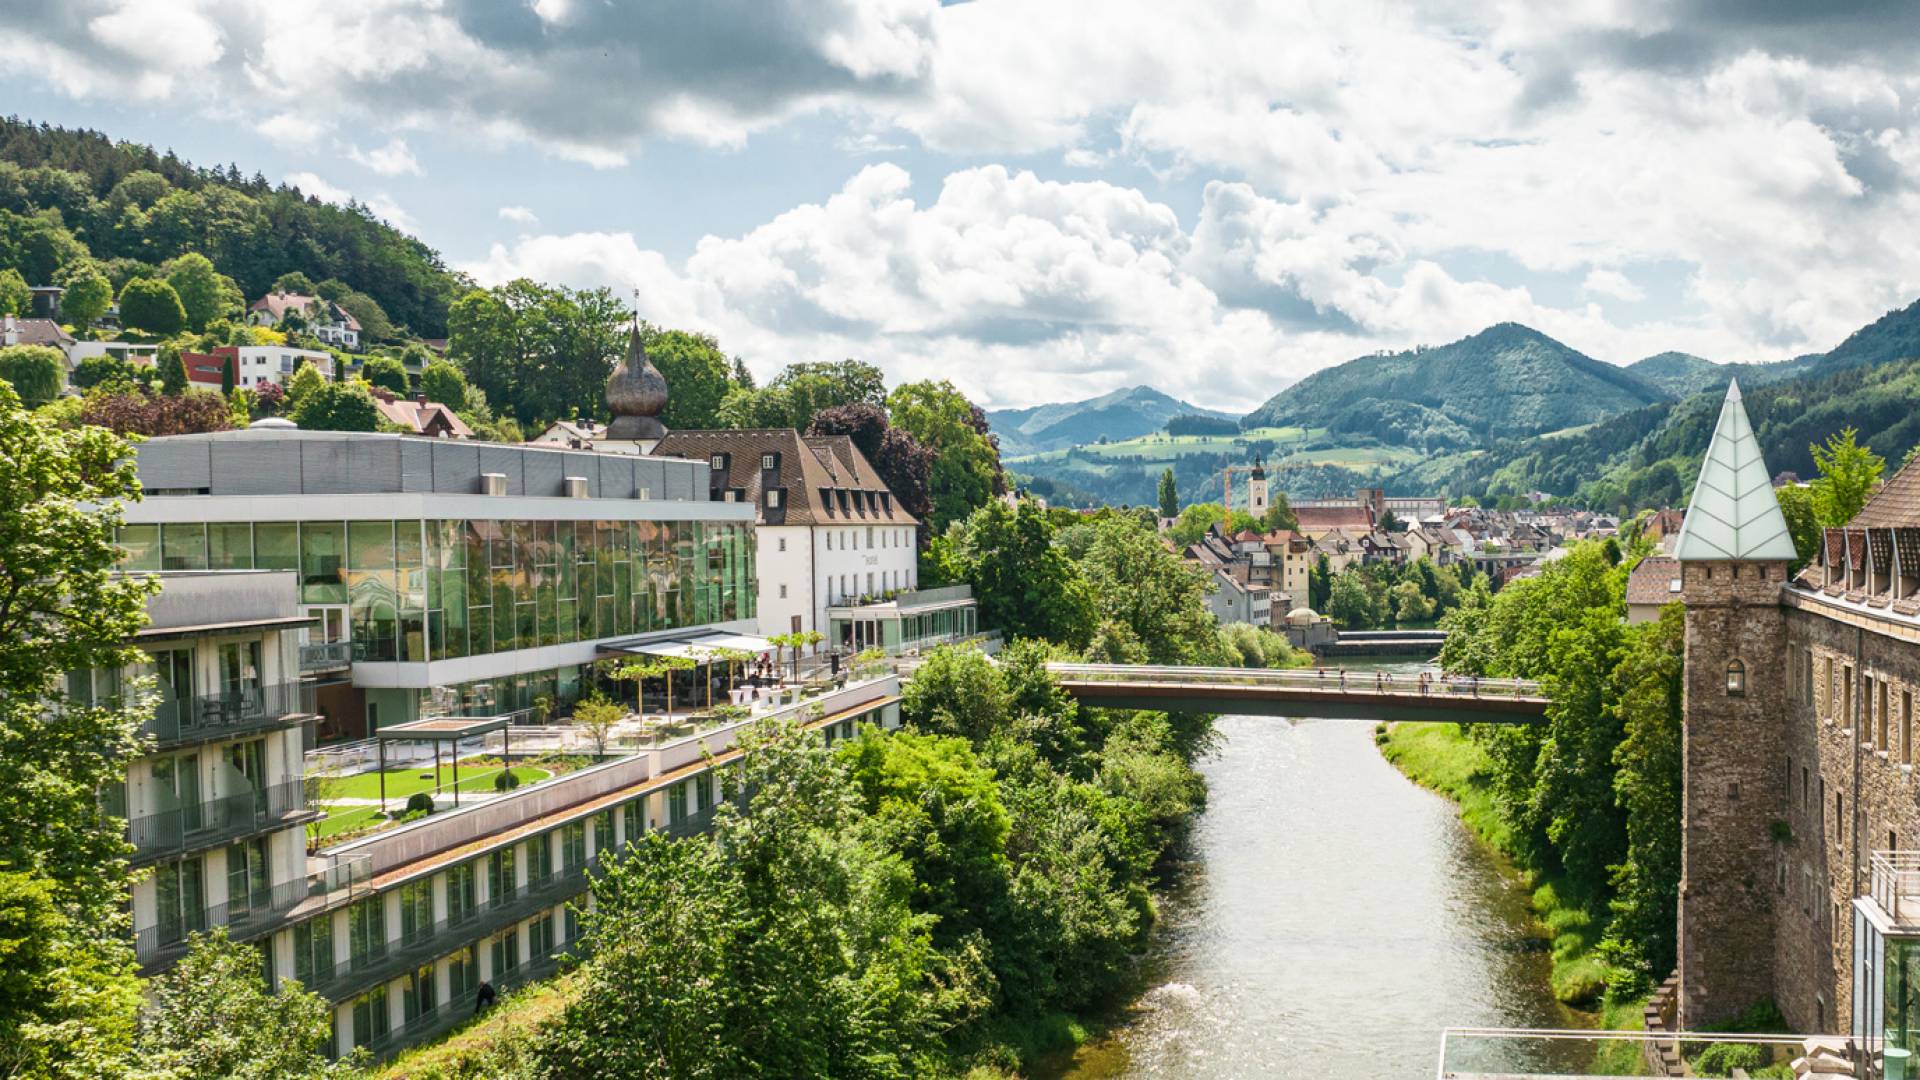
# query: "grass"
493,1044
404,782
1443,758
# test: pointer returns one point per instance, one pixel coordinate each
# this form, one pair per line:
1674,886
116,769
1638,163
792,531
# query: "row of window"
1828,684
418,590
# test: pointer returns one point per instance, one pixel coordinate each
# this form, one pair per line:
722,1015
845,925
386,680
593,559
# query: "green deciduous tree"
386,373
205,293
305,380
966,466
1803,522
1169,494
1848,474
212,1016
95,370
151,305
697,373
89,294
34,371
66,999
1147,593
1025,584
538,353
443,382
15,297
337,407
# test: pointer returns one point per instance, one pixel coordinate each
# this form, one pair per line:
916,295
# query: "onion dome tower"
636,395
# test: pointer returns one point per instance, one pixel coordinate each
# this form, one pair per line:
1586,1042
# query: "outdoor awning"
441,728
695,647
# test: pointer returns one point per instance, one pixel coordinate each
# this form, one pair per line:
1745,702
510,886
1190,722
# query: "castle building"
1801,812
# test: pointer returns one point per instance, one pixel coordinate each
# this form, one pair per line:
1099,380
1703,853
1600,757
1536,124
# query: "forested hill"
1649,457
1680,374
1506,380
1122,414
66,195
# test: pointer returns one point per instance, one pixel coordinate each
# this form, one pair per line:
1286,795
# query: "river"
1334,918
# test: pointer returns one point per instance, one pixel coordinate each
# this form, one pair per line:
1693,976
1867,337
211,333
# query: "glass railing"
326,655
230,712
215,821
342,879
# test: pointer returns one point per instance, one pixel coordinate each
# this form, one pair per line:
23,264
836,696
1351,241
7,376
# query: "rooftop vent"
576,487
493,483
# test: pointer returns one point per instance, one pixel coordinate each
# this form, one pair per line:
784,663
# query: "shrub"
1721,1059
506,781
420,802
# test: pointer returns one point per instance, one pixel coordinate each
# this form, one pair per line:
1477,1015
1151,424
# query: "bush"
1721,1059
506,781
420,802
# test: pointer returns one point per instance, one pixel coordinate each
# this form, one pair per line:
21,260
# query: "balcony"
1893,882
332,880
231,713
326,656
217,821
398,956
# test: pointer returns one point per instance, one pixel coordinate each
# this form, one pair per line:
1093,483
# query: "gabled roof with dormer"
1733,513
826,479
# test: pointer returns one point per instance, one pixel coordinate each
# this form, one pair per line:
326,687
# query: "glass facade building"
419,590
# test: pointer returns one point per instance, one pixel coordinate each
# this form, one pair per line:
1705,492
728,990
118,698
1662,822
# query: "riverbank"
1442,758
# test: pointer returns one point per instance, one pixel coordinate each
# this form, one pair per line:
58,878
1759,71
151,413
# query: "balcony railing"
216,821
326,655
1893,880
441,1019
395,957
341,879
231,712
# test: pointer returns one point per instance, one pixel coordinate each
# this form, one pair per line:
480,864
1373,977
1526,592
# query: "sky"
1047,201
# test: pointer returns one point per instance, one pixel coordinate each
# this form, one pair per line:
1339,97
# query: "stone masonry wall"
1734,744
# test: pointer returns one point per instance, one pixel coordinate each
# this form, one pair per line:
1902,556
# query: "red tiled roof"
1651,581
1325,518
1896,505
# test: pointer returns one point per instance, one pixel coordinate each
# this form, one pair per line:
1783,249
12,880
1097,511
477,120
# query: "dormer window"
1736,679
773,499
768,461
718,462
826,500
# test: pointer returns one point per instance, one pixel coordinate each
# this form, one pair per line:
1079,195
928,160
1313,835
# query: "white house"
256,365
830,532
328,321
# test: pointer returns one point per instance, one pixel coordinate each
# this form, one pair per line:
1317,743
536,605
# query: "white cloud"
519,214
311,184
392,159
1613,283
292,130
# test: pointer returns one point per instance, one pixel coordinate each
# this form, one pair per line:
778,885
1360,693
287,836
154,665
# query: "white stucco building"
830,533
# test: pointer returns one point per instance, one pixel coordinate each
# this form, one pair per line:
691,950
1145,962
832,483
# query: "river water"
1335,917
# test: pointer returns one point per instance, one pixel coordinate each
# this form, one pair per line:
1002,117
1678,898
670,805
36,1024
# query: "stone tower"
1733,550
1257,490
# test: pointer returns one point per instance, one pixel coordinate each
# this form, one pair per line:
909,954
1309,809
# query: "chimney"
419,397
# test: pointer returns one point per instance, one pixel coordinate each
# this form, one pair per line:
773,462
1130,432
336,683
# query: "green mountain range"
1122,414
1649,457
1505,380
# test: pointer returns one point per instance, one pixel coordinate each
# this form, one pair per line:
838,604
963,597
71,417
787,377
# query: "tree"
337,407
152,305
211,1015
34,371
205,293
957,690
1147,595
296,283
904,465
173,371
1026,586
306,379
373,320
66,999
1319,584
95,370
89,294
15,297
443,382
785,937
1646,884
595,716
1803,522
537,351
966,466
135,412
1411,606
386,373
1169,494
1192,523
1848,474
696,371
1354,603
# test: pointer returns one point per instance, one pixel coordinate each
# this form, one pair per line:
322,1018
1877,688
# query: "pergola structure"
436,731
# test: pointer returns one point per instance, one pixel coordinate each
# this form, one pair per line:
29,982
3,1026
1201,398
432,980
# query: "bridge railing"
1327,680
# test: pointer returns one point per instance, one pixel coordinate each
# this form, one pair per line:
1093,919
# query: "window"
370,1019
1736,679
419,993
829,541
460,901
773,499
501,880
367,930
313,950
247,886
416,911
783,591
717,462
766,461
539,857
783,543
463,973
506,953
869,536
631,821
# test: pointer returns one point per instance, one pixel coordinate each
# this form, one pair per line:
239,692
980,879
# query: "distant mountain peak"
1126,413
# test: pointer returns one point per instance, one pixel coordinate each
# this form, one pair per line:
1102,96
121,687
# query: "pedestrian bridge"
1303,692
